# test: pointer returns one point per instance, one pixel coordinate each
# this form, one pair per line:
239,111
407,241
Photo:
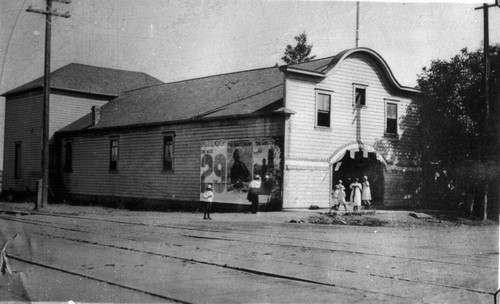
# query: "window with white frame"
391,118
359,98
323,109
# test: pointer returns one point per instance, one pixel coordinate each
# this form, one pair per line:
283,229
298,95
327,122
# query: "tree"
455,143
300,52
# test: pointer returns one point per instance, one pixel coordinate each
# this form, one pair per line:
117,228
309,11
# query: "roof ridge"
322,58
223,74
101,67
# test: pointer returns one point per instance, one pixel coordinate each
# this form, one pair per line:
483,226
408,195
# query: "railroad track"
50,224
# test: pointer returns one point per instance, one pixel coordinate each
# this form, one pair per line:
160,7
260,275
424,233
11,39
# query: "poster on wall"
230,165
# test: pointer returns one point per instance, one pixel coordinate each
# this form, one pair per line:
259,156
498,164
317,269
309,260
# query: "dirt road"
120,256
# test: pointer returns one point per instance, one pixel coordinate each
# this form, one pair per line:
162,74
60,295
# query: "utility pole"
487,115
357,24
48,12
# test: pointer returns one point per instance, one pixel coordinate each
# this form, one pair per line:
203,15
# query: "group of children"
360,195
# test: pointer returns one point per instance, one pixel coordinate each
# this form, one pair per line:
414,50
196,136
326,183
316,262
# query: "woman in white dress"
366,194
341,195
356,194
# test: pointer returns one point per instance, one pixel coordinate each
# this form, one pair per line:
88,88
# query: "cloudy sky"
181,39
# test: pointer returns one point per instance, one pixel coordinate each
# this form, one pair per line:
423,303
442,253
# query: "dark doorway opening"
348,168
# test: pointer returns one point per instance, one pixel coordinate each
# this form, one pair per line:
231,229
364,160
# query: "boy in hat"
209,198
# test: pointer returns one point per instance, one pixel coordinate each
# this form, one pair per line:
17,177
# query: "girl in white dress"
366,194
356,194
341,197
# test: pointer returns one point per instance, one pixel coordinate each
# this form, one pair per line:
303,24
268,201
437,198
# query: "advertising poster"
230,165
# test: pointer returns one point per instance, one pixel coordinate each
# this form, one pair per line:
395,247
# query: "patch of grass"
355,219
368,221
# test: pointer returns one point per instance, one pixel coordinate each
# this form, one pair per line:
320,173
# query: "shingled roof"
77,77
258,91
253,91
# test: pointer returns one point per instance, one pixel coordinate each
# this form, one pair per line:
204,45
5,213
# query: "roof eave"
279,112
37,88
304,72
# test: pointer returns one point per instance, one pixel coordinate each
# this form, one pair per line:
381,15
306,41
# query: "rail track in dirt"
86,233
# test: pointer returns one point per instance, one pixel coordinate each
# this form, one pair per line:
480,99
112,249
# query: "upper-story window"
359,95
391,118
68,158
323,109
168,152
113,154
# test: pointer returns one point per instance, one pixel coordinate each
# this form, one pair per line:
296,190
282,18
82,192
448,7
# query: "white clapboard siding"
65,108
308,143
140,162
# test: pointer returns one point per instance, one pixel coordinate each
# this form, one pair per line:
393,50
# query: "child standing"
341,195
209,197
366,194
356,194
335,199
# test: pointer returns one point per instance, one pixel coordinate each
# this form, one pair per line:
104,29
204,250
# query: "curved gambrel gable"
322,67
332,127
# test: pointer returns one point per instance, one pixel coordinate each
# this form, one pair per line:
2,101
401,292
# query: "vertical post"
357,24
486,132
486,67
46,104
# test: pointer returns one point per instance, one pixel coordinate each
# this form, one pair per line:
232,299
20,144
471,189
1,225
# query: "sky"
183,39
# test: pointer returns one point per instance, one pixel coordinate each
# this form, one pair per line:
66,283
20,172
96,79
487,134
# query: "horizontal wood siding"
23,122
66,108
306,142
140,163
306,187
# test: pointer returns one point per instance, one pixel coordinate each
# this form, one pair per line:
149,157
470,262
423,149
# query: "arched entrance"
356,161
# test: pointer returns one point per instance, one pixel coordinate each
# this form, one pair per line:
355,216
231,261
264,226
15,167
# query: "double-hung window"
113,154
168,152
323,109
391,118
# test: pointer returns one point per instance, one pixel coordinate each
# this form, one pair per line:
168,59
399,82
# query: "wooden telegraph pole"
48,12
487,115
357,24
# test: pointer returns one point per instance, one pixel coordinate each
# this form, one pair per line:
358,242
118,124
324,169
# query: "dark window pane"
17,160
392,126
360,96
324,119
113,155
168,153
